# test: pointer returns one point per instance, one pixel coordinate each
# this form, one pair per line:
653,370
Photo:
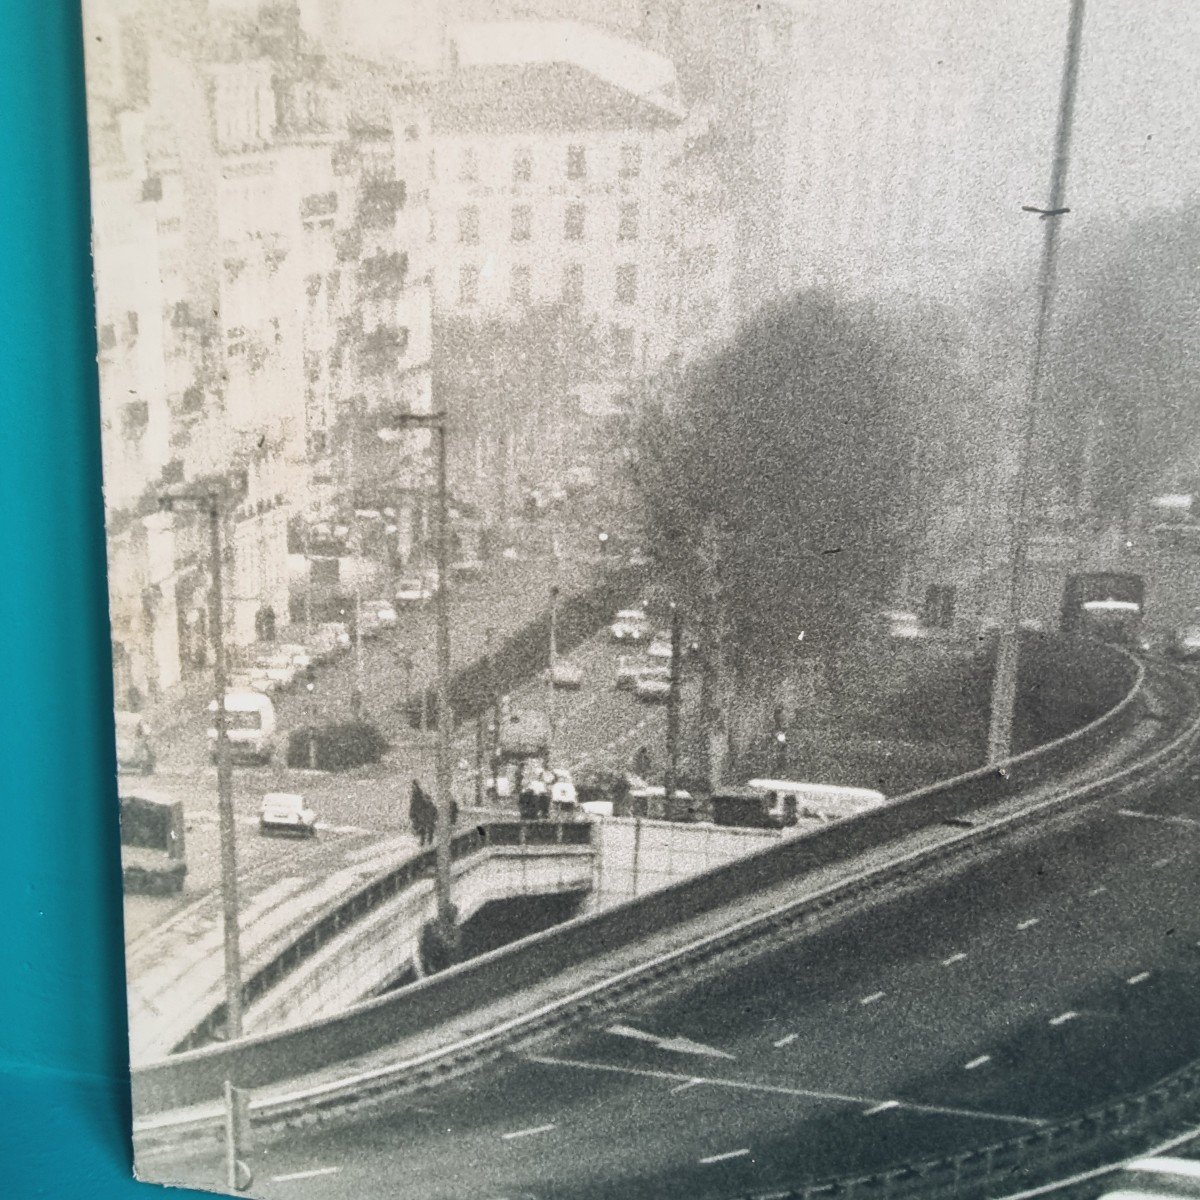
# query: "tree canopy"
784,486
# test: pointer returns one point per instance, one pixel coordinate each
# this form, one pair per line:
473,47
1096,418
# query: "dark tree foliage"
779,488
1121,413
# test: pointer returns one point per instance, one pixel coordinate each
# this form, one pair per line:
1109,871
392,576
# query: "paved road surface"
1052,977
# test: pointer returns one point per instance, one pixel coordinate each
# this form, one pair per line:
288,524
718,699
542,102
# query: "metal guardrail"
198,1076
381,890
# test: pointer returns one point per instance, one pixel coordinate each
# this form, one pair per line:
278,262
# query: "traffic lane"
939,979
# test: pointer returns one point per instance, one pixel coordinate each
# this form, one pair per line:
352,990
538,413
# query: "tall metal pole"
355,543
552,698
1004,688
444,718
229,878
672,780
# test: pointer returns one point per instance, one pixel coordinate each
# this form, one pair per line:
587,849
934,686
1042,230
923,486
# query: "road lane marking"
1162,818
872,997
977,1062
683,1087
716,1158
1098,891
305,1174
774,1089
883,1106
522,1133
1063,1018
1162,862
786,1041
954,958
1141,977
678,1045
1029,923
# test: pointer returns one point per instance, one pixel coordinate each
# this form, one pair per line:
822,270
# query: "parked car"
415,589
135,748
466,569
628,671
285,812
564,674
376,616
1184,645
653,684
272,672
630,625
250,725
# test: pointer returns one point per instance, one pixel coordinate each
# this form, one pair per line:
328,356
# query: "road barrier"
196,1077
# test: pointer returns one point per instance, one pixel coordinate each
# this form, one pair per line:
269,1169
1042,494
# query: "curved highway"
1059,972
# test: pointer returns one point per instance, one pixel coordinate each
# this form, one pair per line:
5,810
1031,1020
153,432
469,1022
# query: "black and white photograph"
654,579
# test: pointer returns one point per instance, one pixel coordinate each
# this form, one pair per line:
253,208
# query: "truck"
153,853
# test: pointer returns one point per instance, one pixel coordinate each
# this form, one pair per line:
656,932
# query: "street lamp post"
672,780
444,772
210,504
1004,686
552,698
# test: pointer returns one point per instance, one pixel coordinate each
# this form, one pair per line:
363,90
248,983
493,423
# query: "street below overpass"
1058,972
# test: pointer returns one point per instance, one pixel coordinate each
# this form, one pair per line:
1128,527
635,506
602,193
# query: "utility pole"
1004,687
552,698
672,779
356,692
445,718
210,503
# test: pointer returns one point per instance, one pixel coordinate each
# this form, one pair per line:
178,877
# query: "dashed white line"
786,1041
1161,817
522,1133
881,1107
716,1158
1098,891
683,1087
954,958
872,997
1063,1018
1029,923
1141,977
977,1062
1162,862
305,1174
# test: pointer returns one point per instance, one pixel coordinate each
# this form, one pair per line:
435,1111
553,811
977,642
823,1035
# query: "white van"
250,722
790,800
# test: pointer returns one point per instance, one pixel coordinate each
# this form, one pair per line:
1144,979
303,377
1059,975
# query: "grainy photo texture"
655,584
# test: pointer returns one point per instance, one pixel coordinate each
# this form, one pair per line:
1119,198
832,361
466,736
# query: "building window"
622,344
572,292
468,285
468,170
522,165
468,225
631,160
576,162
627,283
573,222
520,286
627,229
522,223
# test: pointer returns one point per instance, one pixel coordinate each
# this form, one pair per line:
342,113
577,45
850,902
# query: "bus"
815,801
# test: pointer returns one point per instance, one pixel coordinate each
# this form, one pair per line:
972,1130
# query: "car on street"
1184,644
377,616
135,747
660,645
286,812
415,589
653,685
628,671
906,626
564,674
271,672
630,625
250,725
466,570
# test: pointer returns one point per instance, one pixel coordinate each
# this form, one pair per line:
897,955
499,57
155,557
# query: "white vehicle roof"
631,614
651,791
817,791
284,799
1111,605
244,700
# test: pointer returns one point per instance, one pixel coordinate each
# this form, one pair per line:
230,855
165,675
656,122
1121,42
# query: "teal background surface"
63,1091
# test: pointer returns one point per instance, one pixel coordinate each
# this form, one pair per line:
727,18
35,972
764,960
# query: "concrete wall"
635,856
380,947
